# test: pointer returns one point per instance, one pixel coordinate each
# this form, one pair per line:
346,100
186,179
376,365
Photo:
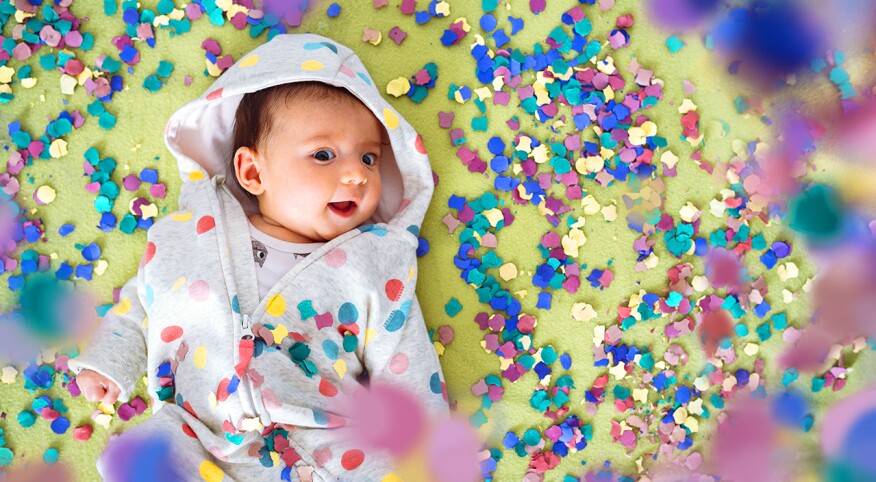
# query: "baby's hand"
97,388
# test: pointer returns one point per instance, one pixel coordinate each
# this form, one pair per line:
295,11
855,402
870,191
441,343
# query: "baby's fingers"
112,393
93,390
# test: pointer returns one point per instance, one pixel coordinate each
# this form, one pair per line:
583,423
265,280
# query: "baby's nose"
354,173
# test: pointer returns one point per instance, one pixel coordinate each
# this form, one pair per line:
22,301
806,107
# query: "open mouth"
344,208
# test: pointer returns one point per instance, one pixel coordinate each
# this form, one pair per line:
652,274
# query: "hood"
200,134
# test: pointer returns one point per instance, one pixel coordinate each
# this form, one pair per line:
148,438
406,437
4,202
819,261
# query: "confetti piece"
452,307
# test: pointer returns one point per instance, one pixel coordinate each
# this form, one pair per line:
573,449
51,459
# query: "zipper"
245,353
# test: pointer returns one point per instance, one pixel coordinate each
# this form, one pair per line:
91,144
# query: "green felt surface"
136,142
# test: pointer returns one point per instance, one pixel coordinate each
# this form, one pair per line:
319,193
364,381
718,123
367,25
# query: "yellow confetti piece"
609,213
540,154
213,400
106,408
439,348
412,272
149,211
508,271
636,136
340,367
312,65
700,283
590,205
573,241
686,106
280,333
484,93
196,176
728,383
598,335
640,395
584,312
524,144
751,349
669,159
398,87
494,216
692,423
679,415
29,83
102,420
443,8
618,371
389,118
213,69
251,424
210,472
181,216
224,5
6,74
8,375
122,307
716,208
100,267
276,305
788,271
249,61
45,194
688,212
68,83
200,358
178,284
58,148
695,407
372,36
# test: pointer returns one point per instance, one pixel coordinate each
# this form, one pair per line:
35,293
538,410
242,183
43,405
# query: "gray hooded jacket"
192,318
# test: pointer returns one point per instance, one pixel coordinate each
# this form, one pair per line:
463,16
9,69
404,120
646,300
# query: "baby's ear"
248,170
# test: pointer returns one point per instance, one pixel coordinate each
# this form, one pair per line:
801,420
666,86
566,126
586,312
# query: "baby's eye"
323,155
369,159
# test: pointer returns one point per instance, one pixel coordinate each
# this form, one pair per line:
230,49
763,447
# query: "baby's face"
321,173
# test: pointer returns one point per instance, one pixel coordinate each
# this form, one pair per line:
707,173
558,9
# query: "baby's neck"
274,230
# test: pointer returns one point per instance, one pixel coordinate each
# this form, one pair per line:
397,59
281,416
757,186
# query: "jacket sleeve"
399,351
117,348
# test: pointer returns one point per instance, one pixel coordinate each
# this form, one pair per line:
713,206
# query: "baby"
285,285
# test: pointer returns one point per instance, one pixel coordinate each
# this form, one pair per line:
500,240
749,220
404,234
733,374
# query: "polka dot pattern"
276,306
200,358
389,118
199,290
171,333
336,258
205,224
399,363
216,94
312,65
326,388
249,61
148,254
348,313
352,459
210,472
393,289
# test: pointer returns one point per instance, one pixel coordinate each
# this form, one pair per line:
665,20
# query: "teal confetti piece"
453,307
674,44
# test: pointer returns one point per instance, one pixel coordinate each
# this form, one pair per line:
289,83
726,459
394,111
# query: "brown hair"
255,114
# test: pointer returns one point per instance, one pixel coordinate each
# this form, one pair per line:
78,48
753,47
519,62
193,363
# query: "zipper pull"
245,350
246,321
